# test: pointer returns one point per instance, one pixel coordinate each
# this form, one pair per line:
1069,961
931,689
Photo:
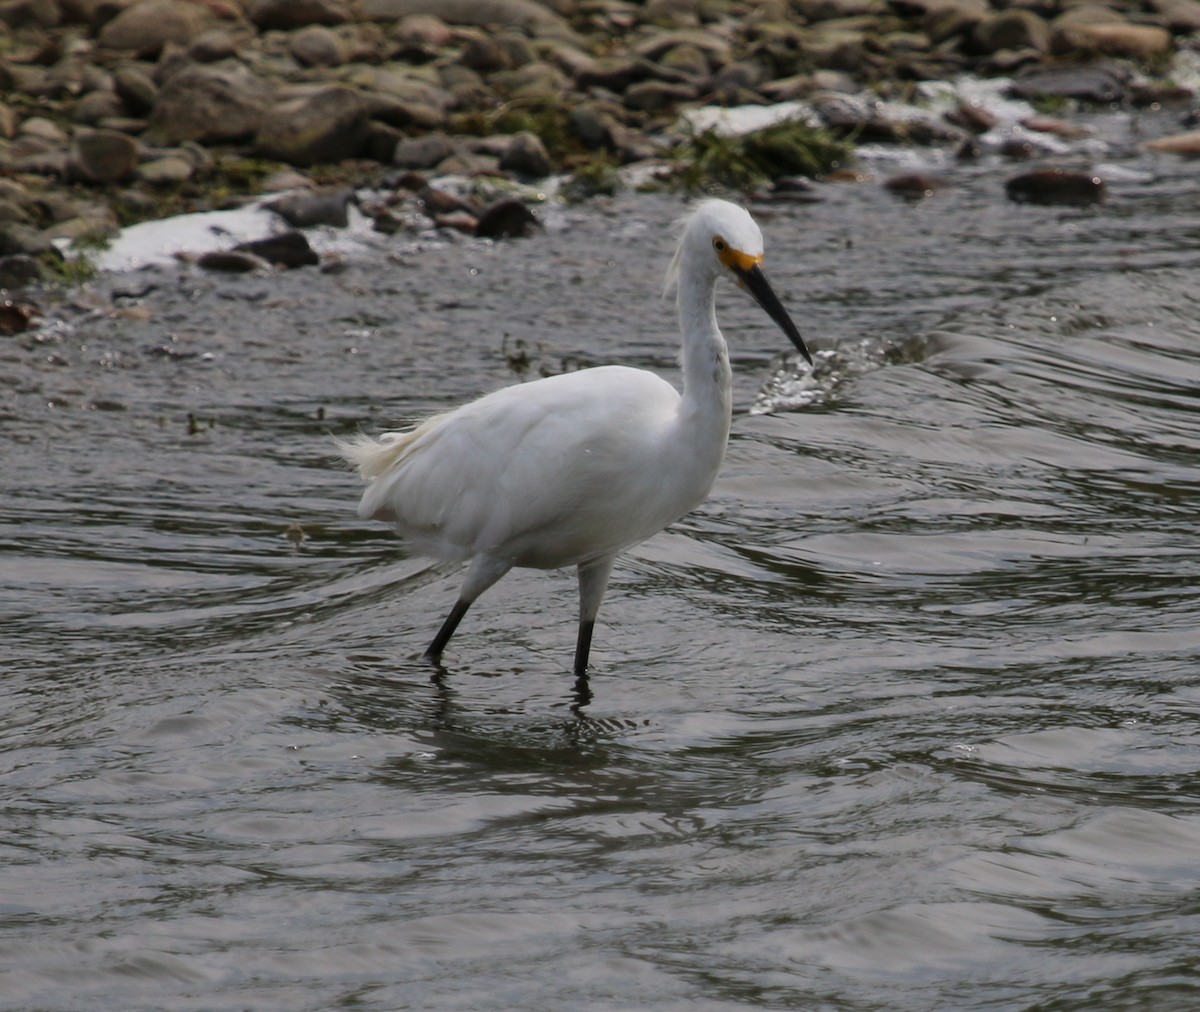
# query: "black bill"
755,282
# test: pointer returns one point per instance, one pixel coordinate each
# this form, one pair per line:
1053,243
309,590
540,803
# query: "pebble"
129,98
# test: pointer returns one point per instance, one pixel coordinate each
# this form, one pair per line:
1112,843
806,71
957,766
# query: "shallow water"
904,717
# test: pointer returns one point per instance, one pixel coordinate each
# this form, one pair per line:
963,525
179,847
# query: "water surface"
904,717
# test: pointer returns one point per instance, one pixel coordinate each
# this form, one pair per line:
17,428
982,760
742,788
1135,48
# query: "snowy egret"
571,469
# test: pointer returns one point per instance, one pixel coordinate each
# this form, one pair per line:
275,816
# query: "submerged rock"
1057,186
506,219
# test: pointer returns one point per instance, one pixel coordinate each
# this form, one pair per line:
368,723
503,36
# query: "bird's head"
722,238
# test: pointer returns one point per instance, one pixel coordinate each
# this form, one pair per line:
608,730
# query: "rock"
1180,16
230,261
655,96
326,125
144,28
136,90
593,124
506,219
397,112
14,317
526,155
17,239
423,152
914,186
1056,186
210,104
1057,127
213,45
10,210
287,15
973,116
19,270
170,170
288,249
1012,29
1187,144
458,221
425,31
526,15
44,129
96,106
305,210
318,46
1137,42
102,156
484,55
1097,83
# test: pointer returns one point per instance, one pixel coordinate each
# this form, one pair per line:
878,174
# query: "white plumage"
570,470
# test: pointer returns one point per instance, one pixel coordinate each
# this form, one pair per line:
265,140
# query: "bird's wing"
524,469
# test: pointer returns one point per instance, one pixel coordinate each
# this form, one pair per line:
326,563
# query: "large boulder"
211,103
325,125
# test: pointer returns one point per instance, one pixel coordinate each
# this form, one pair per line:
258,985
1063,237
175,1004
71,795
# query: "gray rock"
19,239
423,152
213,45
326,125
1012,29
144,28
305,210
170,170
18,270
318,46
231,261
654,96
136,89
96,106
210,103
1098,83
506,219
102,156
288,249
287,15
526,155
523,14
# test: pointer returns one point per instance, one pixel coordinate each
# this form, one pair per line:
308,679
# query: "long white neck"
707,381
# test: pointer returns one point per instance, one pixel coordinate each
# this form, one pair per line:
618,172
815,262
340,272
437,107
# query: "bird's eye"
719,244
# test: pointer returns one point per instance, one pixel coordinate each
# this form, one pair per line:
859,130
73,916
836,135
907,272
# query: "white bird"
571,469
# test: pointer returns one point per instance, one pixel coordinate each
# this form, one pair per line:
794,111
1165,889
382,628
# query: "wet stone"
288,249
1056,186
305,210
506,219
1097,83
230,261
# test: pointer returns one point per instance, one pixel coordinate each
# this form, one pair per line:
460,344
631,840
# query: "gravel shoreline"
118,111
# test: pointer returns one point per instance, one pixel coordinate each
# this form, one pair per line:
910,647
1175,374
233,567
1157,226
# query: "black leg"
583,646
447,630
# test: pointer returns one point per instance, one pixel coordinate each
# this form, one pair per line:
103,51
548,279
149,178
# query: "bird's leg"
434,652
482,573
593,579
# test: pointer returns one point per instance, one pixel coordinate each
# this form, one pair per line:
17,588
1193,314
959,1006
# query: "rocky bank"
115,111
